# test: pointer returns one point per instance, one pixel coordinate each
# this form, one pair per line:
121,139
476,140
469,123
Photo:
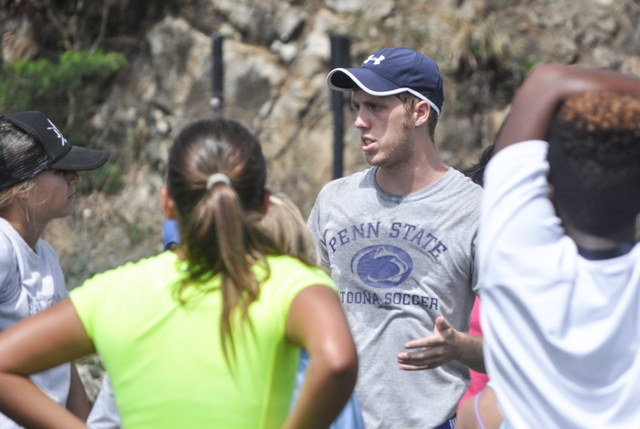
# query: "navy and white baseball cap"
51,151
391,71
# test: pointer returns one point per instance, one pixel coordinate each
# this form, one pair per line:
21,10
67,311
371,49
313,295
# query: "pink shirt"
478,380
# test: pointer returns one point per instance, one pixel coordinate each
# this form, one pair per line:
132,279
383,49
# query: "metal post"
339,58
217,73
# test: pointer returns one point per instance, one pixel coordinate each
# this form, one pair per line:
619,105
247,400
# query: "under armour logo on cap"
375,60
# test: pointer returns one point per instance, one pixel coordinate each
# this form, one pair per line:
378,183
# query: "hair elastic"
217,178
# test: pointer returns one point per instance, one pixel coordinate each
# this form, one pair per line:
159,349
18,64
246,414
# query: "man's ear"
421,112
167,204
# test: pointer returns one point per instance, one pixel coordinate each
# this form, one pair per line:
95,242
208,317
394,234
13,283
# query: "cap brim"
80,159
369,81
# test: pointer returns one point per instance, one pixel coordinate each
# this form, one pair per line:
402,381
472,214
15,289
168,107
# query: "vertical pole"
217,73
339,58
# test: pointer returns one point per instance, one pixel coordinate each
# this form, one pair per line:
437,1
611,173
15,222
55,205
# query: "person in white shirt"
558,257
38,173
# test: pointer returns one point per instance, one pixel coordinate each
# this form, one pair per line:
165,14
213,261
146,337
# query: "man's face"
385,129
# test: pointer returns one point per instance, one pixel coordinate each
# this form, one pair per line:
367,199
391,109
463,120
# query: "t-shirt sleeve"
516,209
475,283
315,226
87,301
296,276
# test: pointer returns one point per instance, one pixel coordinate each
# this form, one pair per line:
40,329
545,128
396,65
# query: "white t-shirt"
562,333
29,283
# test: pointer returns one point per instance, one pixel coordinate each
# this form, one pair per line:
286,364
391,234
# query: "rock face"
276,57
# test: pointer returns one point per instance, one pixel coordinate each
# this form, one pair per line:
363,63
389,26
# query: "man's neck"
595,243
29,229
420,171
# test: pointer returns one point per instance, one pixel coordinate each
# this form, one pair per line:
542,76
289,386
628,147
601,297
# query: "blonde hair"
409,102
284,222
8,195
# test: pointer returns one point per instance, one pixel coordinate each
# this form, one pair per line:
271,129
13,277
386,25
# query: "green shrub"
67,91
107,178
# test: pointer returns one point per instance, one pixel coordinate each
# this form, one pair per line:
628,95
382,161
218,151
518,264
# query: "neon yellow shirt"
165,360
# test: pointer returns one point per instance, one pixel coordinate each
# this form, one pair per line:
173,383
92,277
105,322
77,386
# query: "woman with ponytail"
208,336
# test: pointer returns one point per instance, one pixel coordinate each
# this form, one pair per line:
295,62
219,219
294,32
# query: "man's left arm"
443,346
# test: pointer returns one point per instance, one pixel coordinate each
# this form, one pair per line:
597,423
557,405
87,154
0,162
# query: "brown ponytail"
218,223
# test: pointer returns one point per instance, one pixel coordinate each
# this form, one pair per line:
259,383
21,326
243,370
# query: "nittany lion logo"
382,266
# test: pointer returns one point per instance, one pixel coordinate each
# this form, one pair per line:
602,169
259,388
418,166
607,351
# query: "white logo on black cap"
57,131
375,60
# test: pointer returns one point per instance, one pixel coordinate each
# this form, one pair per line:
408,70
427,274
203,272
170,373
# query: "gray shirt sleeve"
313,223
9,276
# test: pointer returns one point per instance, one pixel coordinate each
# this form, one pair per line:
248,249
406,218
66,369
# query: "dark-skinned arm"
548,85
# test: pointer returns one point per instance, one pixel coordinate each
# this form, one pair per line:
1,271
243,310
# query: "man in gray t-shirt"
399,239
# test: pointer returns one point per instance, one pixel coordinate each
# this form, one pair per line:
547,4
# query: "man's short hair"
409,101
594,160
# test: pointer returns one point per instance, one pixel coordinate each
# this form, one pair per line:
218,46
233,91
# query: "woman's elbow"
342,363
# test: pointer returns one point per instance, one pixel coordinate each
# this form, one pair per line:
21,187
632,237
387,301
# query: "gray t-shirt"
399,262
104,414
29,283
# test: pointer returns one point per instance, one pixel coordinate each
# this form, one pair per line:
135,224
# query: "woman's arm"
317,323
34,344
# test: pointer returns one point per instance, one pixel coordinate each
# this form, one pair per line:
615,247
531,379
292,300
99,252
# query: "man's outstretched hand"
443,346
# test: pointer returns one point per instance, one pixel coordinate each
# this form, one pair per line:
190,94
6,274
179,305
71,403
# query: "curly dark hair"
594,160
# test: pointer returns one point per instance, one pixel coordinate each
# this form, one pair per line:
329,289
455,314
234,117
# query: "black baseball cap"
391,71
54,151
